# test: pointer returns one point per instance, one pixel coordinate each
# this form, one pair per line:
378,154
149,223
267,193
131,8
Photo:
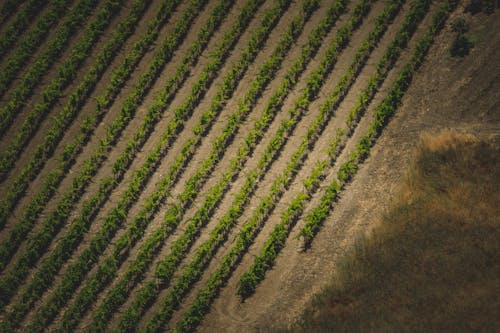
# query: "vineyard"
156,153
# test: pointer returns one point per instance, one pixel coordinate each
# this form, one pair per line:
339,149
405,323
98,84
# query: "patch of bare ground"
460,93
231,308
446,92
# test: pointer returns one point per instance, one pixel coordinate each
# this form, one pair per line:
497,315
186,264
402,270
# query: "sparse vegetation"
152,150
432,263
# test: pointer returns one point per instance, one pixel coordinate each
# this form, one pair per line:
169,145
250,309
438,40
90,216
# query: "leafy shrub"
461,46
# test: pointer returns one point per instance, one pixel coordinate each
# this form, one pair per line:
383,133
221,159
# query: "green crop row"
8,8
173,216
23,18
383,114
268,203
30,42
69,242
150,290
277,239
118,214
8,158
55,220
203,255
135,232
52,225
65,74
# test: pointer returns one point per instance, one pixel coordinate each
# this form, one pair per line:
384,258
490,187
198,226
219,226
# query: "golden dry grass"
433,263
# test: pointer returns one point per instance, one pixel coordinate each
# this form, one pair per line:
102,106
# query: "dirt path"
445,93
343,61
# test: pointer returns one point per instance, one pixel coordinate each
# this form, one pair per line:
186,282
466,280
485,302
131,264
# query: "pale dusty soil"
446,93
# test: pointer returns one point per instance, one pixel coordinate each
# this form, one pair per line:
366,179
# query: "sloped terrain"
177,160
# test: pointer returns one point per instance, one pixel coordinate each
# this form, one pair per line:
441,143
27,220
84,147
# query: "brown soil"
446,93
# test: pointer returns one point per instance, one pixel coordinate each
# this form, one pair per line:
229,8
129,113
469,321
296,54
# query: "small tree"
461,46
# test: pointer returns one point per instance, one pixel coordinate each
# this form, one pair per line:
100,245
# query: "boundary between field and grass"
277,239
203,254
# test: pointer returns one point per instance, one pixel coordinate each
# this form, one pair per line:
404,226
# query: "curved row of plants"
277,239
23,18
383,113
30,42
106,272
55,134
119,293
40,241
114,219
65,74
204,254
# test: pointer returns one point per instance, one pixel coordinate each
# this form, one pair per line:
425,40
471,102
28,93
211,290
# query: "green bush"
461,46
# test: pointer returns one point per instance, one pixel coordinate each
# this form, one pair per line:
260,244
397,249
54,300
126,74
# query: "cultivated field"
157,156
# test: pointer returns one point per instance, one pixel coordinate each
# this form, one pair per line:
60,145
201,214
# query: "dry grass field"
205,165
432,263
